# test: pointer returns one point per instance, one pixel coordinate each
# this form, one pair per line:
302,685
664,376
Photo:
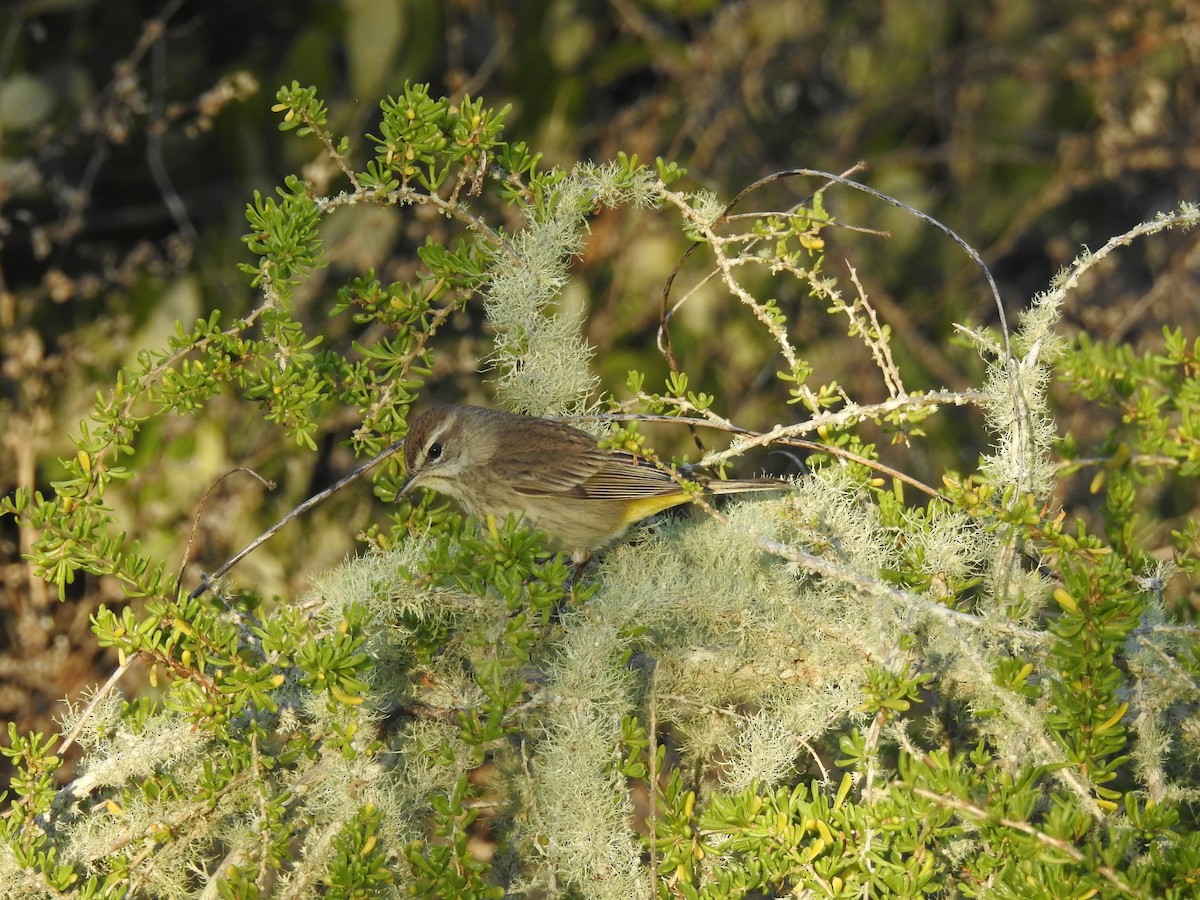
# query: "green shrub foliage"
864,687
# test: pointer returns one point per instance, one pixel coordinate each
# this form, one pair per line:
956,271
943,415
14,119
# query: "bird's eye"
434,452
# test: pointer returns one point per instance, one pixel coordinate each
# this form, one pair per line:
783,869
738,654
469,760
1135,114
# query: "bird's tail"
744,485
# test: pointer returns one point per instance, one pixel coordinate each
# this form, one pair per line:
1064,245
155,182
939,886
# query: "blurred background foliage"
132,136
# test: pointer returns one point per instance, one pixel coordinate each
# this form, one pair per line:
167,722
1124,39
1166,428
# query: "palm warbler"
551,475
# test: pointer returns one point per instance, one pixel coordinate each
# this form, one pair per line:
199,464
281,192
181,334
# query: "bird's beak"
408,485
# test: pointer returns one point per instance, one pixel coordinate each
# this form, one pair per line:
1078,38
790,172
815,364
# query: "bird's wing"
623,476
584,471
580,469
535,468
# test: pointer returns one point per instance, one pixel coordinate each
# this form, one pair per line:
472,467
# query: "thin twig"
843,418
820,566
100,694
187,550
304,507
767,438
653,780
924,217
982,815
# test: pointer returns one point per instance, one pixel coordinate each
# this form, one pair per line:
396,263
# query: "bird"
553,476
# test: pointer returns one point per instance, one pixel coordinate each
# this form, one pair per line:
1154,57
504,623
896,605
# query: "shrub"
457,713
